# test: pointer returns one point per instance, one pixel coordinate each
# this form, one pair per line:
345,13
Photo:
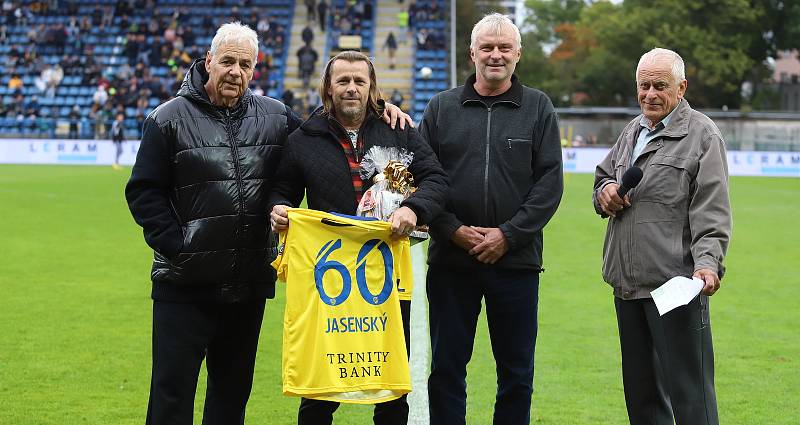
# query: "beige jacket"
679,220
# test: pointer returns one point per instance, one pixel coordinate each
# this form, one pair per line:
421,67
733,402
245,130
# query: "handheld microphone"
630,179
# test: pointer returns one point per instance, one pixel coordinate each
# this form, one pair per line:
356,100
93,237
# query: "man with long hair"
323,159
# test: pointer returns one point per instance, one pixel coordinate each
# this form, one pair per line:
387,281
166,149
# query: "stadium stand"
67,70
136,50
350,18
393,54
429,22
348,25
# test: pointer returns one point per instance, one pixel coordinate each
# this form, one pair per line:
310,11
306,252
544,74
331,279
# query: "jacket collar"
678,125
512,95
676,129
193,88
319,122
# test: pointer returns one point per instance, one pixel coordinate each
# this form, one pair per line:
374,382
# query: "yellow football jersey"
342,328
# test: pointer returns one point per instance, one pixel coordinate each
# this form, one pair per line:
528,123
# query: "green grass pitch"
75,313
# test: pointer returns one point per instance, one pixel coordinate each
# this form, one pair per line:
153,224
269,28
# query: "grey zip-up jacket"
505,169
679,220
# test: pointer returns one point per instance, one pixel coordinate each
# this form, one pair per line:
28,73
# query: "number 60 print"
324,265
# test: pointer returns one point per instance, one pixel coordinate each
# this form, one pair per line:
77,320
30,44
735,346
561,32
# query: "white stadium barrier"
576,160
740,163
65,151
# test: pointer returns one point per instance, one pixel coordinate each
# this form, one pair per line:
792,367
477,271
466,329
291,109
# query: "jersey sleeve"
281,262
404,271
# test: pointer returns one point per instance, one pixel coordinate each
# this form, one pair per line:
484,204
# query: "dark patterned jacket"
314,160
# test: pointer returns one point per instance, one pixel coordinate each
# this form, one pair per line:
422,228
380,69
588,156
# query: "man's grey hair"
678,69
235,32
494,24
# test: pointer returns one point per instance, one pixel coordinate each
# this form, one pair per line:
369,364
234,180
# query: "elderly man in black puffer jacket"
198,189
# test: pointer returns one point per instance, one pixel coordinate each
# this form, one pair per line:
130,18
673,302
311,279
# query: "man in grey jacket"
676,222
498,141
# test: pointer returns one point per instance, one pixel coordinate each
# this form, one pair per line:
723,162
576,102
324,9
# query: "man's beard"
352,113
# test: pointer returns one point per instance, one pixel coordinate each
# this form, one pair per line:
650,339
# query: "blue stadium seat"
109,51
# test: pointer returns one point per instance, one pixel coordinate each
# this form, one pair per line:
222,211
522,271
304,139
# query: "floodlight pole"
453,77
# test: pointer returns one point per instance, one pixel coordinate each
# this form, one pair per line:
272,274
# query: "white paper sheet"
676,292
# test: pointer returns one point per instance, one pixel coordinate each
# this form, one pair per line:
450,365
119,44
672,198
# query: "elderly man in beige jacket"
676,222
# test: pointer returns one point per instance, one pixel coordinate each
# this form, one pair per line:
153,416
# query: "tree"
549,26
599,51
467,15
534,70
714,39
780,25
547,15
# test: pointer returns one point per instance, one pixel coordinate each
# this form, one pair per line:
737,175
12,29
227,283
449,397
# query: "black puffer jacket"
199,190
315,161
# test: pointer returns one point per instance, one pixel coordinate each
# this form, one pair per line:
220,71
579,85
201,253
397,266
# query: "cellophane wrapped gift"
392,183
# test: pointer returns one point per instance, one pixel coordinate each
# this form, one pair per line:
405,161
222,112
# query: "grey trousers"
667,363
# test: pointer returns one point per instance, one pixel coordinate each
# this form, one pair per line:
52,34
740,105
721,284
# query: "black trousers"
667,363
118,147
454,303
226,335
395,412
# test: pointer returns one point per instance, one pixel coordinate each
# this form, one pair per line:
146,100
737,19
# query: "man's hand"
711,281
391,114
403,221
466,238
493,247
279,218
610,202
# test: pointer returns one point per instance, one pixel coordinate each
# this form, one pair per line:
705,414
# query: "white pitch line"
420,341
